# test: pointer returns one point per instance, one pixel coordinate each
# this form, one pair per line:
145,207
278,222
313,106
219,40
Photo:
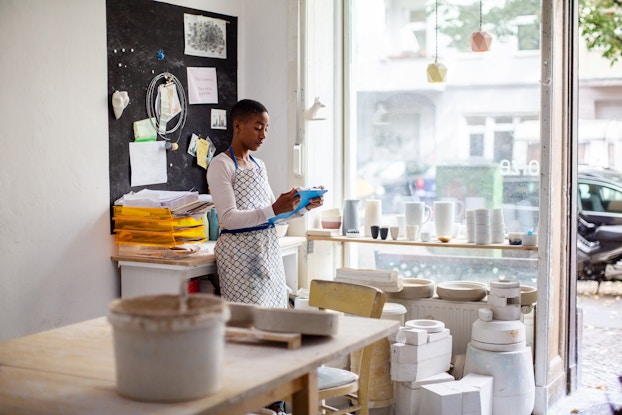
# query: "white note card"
148,163
202,86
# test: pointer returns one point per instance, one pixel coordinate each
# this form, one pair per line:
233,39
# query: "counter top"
205,254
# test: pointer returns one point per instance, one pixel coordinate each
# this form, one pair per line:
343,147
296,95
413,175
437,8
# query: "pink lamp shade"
480,41
437,72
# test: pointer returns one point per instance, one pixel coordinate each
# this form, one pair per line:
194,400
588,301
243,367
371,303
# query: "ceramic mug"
444,214
458,205
416,213
395,232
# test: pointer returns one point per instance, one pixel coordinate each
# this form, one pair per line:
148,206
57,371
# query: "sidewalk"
601,355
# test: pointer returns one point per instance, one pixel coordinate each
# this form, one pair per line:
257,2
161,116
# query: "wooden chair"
357,300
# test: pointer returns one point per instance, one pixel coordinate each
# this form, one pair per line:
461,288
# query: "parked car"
600,195
599,232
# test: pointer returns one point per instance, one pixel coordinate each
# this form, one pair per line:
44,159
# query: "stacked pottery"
470,225
498,349
497,227
482,226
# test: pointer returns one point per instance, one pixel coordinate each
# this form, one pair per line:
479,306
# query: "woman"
248,255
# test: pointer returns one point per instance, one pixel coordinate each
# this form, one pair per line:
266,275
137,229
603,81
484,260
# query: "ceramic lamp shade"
437,72
480,41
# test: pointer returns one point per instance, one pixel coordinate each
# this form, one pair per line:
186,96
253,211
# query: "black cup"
374,231
383,233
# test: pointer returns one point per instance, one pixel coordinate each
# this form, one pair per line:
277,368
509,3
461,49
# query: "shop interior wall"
54,211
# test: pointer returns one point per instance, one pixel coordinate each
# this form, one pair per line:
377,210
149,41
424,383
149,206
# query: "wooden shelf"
456,243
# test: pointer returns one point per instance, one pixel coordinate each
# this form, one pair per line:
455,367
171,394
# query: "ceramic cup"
395,232
375,230
384,232
401,223
444,214
416,213
411,232
530,239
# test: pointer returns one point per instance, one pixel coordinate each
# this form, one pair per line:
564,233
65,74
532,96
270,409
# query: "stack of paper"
160,218
384,280
194,208
158,198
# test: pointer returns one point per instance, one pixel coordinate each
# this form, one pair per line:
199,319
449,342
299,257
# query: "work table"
71,370
141,275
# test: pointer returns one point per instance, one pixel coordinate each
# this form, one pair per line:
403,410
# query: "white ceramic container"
513,378
166,354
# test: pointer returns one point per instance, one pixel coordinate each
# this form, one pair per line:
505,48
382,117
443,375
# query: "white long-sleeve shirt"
220,179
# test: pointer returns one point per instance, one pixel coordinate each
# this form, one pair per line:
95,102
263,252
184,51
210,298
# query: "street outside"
601,350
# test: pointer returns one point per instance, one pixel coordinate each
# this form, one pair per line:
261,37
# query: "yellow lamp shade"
480,41
437,72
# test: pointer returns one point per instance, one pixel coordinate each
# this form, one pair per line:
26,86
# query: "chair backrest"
359,300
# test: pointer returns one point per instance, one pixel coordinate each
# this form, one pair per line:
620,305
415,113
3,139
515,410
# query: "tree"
600,24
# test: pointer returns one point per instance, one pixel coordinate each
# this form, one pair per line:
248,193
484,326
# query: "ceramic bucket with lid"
165,353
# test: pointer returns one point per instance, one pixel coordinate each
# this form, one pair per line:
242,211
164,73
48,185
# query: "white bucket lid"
393,309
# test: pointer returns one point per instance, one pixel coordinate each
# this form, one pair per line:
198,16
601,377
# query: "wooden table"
142,275
71,370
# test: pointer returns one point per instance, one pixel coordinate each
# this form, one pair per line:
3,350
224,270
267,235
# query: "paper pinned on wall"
202,150
205,36
148,163
202,86
144,130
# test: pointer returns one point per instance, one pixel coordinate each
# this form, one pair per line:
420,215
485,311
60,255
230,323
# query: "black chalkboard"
139,33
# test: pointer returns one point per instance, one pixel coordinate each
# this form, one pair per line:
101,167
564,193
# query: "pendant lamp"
437,72
480,41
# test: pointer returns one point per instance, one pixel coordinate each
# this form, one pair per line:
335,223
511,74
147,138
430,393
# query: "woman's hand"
286,202
316,201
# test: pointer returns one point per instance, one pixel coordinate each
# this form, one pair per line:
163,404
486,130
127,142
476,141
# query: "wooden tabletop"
71,370
205,254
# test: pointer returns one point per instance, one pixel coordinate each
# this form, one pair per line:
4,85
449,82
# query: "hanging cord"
480,15
154,114
436,31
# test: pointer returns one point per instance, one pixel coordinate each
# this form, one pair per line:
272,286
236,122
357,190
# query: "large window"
473,138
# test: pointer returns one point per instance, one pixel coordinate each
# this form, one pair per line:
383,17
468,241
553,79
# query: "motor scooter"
599,249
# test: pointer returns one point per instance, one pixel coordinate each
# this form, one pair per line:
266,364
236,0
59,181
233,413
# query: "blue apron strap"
236,163
233,157
254,228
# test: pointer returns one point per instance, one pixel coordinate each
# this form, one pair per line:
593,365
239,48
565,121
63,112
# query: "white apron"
249,262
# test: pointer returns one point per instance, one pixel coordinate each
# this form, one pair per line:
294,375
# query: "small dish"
461,290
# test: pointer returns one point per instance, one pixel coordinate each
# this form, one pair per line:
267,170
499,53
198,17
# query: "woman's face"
253,131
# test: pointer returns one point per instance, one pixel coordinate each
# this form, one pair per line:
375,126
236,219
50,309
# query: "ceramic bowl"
331,222
462,290
528,295
415,288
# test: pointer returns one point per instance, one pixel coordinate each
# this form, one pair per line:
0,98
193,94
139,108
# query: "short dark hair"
245,108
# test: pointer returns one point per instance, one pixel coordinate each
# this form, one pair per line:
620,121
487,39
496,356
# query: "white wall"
55,242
